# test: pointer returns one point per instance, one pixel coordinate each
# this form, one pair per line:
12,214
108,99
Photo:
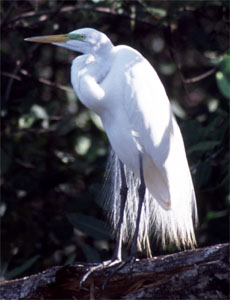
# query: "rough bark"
196,274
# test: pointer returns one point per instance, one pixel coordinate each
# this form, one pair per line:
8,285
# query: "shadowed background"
54,151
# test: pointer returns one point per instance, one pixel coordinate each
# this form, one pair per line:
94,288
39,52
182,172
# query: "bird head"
85,40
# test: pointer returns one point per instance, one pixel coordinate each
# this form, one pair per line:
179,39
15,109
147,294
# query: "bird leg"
117,256
141,194
123,196
123,193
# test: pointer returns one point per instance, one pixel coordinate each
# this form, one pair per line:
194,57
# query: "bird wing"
154,130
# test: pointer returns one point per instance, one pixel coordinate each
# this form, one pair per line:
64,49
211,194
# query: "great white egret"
153,192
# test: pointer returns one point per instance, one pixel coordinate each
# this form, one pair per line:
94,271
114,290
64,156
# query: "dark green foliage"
53,150
89,226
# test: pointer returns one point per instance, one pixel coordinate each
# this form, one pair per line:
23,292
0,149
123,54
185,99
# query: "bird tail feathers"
168,227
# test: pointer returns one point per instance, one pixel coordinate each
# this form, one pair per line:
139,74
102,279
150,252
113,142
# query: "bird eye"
82,36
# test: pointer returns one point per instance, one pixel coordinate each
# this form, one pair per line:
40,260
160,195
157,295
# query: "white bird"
152,192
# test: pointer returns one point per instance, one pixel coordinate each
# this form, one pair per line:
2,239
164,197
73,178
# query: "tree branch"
195,274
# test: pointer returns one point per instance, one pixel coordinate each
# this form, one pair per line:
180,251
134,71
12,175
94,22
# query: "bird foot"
102,266
120,265
114,264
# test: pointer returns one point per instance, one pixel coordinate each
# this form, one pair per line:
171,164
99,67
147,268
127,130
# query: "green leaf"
71,259
223,83
157,12
6,160
21,269
39,112
92,255
82,145
89,225
225,65
203,146
216,214
96,190
203,174
26,121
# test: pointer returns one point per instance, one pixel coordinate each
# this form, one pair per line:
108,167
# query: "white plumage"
121,86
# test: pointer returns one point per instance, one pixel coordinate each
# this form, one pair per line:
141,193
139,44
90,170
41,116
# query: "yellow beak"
59,38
